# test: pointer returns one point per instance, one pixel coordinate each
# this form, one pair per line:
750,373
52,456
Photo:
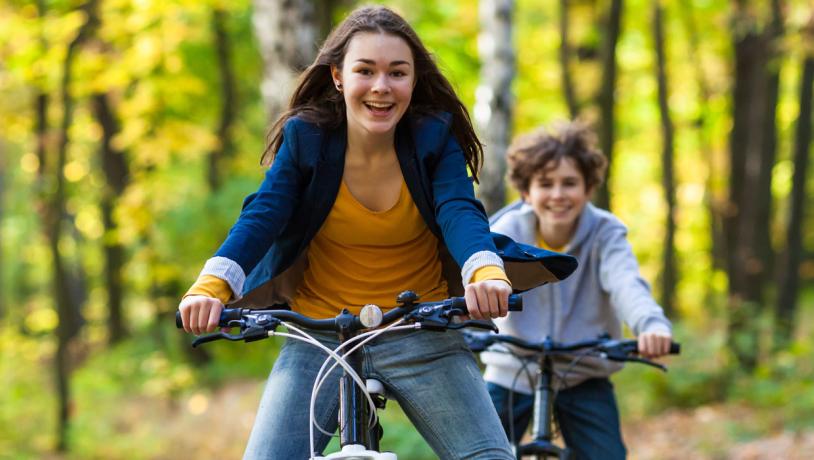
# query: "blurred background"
131,130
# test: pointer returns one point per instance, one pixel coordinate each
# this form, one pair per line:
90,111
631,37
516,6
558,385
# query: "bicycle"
359,427
541,445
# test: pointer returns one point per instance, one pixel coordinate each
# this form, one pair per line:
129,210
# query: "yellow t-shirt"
543,245
361,256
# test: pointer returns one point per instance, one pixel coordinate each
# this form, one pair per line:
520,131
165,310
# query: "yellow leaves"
29,163
42,320
88,222
75,171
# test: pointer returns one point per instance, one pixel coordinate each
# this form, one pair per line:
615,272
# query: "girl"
367,188
555,173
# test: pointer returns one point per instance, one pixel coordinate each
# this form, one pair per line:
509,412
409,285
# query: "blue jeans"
433,376
586,413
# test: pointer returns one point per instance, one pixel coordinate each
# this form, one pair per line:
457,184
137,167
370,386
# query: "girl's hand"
487,299
654,344
200,313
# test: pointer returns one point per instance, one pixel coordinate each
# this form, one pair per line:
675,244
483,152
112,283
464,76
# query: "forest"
131,131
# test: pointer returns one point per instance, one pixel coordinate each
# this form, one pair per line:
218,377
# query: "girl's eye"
364,71
397,73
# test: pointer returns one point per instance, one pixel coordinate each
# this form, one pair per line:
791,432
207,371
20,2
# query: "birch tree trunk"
287,32
493,99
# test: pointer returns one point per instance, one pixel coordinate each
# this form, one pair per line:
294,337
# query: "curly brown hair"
541,150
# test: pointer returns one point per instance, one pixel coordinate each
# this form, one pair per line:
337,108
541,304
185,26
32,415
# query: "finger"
214,318
665,344
483,301
503,298
643,345
471,302
494,302
202,318
184,309
652,347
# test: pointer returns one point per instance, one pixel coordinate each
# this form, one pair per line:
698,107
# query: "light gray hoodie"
605,289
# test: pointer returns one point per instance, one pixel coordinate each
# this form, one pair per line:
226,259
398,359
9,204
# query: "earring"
338,86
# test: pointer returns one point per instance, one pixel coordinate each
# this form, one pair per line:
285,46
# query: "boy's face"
558,194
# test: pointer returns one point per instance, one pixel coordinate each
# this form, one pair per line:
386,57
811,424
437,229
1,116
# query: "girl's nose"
381,84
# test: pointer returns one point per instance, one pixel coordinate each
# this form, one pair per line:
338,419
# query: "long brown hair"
316,100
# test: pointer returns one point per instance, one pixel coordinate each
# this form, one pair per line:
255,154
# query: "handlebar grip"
675,348
228,314
515,302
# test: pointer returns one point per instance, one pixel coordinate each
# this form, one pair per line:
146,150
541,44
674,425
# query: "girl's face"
377,78
558,195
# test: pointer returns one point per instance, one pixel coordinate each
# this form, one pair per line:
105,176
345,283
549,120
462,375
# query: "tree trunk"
768,151
754,106
117,177
228,107
711,200
494,102
788,286
606,99
68,306
287,33
669,275
3,168
565,59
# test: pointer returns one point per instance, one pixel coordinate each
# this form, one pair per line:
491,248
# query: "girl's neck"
370,146
557,236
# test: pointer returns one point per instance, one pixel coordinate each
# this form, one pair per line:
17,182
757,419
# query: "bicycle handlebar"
255,323
614,350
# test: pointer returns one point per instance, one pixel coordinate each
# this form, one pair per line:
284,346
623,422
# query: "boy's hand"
487,299
654,344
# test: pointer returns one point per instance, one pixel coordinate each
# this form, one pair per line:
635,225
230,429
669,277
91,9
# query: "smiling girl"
556,171
368,186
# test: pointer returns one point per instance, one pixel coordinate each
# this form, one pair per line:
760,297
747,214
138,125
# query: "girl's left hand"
487,299
654,344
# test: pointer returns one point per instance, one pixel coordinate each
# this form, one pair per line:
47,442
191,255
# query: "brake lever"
615,355
216,336
637,359
474,323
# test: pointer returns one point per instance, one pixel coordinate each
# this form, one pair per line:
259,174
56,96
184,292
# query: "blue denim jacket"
280,219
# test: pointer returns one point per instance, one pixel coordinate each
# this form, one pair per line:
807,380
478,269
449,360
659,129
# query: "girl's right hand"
200,313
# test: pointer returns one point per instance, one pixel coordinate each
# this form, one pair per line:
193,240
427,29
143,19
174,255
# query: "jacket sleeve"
264,216
459,214
629,293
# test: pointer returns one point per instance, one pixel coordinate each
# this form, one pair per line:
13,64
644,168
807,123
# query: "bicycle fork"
542,431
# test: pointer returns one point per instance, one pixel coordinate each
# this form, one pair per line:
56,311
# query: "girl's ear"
336,75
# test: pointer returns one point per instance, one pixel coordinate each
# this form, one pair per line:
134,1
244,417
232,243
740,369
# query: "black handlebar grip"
515,302
228,314
675,348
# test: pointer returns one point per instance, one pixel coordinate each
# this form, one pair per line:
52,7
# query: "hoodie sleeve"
629,293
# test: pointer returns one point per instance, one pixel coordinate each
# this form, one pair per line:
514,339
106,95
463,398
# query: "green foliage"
156,61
